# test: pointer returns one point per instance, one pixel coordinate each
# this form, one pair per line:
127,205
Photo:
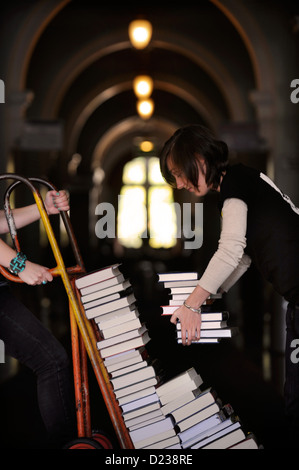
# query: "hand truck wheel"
84,443
103,439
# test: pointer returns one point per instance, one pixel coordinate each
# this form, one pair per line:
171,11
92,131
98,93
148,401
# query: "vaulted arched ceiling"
82,73
206,59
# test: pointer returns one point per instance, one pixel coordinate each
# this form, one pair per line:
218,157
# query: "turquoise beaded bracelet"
18,264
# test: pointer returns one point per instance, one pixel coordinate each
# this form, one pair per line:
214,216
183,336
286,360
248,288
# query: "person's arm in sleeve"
221,267
54,203
32,273
242,267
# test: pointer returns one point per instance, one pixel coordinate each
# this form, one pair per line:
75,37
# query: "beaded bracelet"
17,264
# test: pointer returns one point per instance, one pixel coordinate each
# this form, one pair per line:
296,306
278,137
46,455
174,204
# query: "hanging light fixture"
146,146
145,108
143,86
140,33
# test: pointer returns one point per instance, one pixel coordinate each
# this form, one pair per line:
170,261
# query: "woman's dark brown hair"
186,146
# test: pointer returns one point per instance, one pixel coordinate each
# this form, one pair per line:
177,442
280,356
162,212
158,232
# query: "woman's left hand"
35,274
56,201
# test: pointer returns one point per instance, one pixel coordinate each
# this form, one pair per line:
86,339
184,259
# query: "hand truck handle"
84,326
79,268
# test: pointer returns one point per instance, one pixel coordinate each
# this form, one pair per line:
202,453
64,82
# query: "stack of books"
133,374
163,433
172,414
191,418
214,325
109,301
134,377
200,418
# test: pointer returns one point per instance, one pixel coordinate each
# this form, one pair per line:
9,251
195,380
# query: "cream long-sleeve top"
229,262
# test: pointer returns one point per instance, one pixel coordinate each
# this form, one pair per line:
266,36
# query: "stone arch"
243,21
199,55
84,110
27,38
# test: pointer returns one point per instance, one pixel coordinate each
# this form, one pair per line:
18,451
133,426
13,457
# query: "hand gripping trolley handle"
83,333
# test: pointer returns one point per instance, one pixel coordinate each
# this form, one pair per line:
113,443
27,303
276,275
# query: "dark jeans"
26,339
291,390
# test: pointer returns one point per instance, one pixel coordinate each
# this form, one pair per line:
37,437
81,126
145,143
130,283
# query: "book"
217,434
125,345
124,356
155,438
205,316
105,343
137,395
152,433
181,283
178,391
100,293
157,416
196,433
97,276
177,381
176,446
116,316
101,285
165,443
121,328
109,306
140,402
181,400
133,377
205,399
215,333
190,435
128,369
177,276
202,341
181,290
199,416
225,441
178,299
248,443
207,325
118,362
140,412
144,420
122,392
104,300
145,362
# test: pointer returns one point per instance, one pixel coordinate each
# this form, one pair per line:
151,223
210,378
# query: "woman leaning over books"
259,224
27,340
